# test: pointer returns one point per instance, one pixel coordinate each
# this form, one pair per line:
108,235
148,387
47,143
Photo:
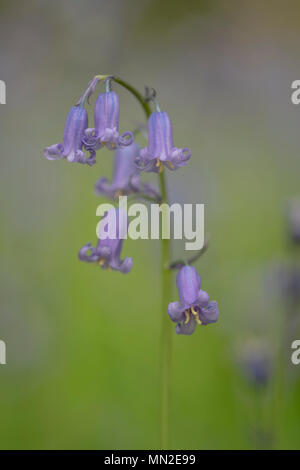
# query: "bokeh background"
83,344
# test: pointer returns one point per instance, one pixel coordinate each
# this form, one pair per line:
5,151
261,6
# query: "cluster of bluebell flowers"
81,143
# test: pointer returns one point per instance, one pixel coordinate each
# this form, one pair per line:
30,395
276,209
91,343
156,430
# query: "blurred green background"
83,344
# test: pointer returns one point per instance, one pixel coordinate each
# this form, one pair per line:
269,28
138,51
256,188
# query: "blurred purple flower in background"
71,148
126,177
107,253
160,150
194,307
106,121
284,280
255,362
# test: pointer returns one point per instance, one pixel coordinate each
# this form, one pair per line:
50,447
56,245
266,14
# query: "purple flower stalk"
126,177
71,148
106,130
194,306
108,250
160,150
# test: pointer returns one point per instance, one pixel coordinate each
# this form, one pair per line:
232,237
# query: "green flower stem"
166,329
145,105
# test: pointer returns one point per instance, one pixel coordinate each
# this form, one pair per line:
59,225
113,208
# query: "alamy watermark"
295,96
2,92
295,357
154,221
2,352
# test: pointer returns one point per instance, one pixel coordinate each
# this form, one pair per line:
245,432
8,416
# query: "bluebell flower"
160,150
126,177
106,121
107,253
71,147
194,306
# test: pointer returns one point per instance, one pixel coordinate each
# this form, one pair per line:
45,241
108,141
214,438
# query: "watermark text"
2,352
176,221
2,92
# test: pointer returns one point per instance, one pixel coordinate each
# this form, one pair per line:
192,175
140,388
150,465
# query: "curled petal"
179,157
91,160
89,140
54,152
125,266
125,139
88,253
175,311
209,314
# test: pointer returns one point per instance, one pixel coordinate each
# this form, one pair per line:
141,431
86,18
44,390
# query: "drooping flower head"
160,150
126,177
106,121
113,230
194,306
71,147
